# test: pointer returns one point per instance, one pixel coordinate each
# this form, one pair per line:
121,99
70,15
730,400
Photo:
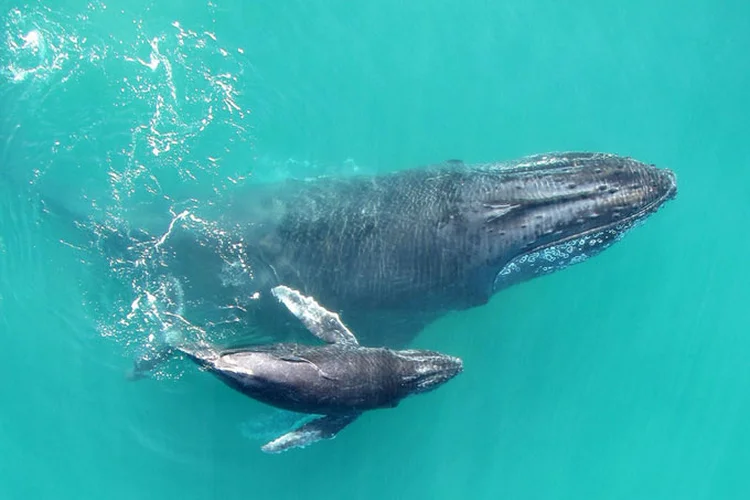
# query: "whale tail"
165,344
172,342
164,311
148,362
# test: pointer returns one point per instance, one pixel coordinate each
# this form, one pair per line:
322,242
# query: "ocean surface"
624,377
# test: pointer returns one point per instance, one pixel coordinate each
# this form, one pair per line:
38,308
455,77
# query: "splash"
144,124
35,47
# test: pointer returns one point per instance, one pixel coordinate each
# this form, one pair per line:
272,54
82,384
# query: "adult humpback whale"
393,252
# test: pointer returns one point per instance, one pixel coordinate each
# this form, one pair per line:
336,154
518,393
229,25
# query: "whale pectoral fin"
326,427
322,323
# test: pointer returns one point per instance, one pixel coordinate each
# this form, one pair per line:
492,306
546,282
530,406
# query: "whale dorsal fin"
322,323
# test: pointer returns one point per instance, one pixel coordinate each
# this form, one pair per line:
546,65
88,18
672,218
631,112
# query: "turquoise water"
624,377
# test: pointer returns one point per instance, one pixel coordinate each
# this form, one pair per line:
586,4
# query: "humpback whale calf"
336,382
391,252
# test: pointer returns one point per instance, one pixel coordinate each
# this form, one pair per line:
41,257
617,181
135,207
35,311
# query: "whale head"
422,371
547,212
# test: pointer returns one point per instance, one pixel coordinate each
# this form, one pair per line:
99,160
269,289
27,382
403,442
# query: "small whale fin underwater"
336,381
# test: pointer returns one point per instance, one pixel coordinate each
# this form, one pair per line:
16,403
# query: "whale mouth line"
647,210
620,227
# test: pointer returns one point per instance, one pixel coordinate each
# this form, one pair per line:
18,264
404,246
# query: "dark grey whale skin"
329,379
392,253
335,382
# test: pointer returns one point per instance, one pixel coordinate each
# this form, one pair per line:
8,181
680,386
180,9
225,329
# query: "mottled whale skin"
336,381
394,252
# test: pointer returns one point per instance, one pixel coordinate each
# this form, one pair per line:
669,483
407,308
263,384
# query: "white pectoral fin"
326,427
322,323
